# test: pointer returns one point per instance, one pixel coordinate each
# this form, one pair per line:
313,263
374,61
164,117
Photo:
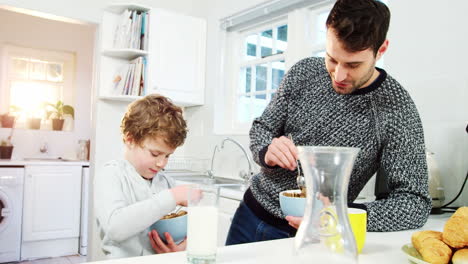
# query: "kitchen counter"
379,248
43,161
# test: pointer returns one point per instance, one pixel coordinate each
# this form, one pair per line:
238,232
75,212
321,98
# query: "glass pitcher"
325,235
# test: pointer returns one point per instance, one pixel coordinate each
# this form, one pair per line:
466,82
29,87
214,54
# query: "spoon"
178,209
300,178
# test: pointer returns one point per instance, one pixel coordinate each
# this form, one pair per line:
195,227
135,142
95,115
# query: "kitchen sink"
229,188
203,179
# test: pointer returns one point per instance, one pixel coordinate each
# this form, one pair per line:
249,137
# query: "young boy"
131,194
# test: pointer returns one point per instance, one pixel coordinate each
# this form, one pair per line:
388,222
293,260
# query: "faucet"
244,175
210,171
44,148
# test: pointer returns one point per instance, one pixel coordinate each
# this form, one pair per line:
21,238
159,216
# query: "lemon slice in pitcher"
329,232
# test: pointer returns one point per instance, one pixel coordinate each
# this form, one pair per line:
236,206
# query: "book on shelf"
128,85
119,80
143,77
130,78
144,31
131,30
138,62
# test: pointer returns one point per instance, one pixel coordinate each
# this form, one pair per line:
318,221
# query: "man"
341,100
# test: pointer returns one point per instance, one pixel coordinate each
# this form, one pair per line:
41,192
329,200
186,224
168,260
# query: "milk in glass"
202,230
202,224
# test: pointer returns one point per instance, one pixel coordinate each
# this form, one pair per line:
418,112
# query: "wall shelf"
122,98
126,54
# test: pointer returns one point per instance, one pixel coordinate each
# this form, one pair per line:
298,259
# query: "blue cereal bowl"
176,227
293,206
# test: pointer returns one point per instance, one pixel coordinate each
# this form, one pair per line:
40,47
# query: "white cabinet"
51,211
227,208
177,55
174,55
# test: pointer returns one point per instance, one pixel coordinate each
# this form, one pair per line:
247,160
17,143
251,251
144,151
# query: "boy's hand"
160,247
180,193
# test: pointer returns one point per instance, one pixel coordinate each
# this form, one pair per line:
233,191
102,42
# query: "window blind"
264,12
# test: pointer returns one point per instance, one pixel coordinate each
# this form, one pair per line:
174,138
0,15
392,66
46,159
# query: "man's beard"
355,84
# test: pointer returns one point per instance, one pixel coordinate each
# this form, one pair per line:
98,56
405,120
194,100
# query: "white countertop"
45,162
379,248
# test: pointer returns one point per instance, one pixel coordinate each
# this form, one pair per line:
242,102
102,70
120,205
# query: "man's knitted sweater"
380,119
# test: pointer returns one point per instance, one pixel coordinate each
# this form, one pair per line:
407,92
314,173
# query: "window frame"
241,63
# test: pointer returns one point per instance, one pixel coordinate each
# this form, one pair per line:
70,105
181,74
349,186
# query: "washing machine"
11,207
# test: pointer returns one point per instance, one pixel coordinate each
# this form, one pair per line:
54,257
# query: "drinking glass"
202,224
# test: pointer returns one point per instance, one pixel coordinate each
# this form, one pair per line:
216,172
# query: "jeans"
246,227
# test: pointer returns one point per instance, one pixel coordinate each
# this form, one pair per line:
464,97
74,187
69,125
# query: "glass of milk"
202,224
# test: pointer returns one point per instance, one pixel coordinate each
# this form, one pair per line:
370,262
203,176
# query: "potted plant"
6,149
8,119
58,111
34,122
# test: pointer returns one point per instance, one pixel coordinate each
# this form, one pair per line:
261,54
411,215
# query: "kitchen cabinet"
177,55
174,54
227,208
51,210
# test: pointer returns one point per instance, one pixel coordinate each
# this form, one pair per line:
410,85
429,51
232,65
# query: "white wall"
33,32
427,55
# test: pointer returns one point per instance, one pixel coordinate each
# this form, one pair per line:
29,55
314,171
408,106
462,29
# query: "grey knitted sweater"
381,120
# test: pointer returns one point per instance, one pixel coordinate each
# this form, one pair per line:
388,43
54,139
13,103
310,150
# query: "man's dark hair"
360,24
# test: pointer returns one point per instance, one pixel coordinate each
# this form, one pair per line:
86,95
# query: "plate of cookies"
449,246
413,255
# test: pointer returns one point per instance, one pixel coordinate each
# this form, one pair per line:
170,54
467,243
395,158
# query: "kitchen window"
261,69
35,77
258,55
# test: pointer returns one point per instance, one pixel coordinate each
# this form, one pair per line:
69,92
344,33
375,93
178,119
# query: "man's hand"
294,221
160,247
282,152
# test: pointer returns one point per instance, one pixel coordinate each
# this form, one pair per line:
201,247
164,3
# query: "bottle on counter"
83,150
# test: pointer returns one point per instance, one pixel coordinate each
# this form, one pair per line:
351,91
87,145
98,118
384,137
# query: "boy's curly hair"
154,116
